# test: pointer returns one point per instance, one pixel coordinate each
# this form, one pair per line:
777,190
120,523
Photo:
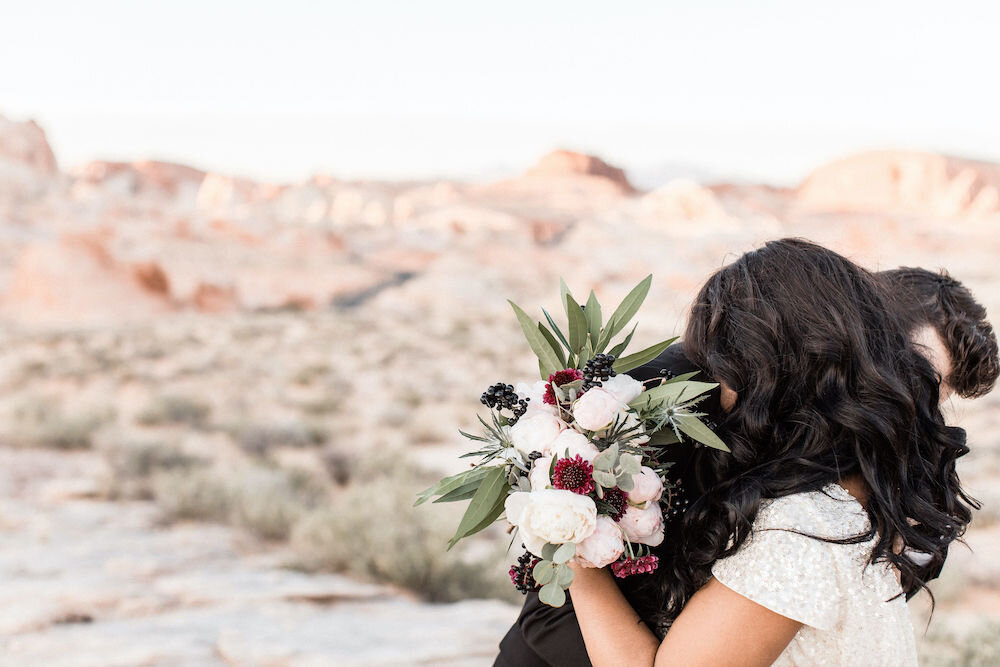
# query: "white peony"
552,516
576,443
603,547
644,526
536,433
539,475
535,392
596,409
647,486
623,387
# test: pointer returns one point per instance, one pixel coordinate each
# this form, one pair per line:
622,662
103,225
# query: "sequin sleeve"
789,573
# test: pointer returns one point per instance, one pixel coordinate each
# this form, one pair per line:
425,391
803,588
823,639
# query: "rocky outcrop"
76,280
912,182
568,164
144,176
25,144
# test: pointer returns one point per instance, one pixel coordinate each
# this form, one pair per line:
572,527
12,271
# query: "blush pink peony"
644,526
596,409
647,486
604,546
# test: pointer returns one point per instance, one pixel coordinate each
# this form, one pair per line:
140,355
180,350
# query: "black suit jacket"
544,636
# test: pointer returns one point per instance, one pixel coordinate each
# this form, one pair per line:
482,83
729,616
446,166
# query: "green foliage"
625,364
486,505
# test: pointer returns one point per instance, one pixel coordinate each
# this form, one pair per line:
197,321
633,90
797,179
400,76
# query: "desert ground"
219,396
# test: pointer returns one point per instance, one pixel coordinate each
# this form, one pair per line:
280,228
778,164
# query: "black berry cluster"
674,501
521,573
596,370
501,396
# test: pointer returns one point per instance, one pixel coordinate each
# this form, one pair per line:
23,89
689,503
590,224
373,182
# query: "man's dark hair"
938,300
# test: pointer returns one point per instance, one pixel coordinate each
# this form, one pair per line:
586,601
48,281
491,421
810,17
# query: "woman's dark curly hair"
829,386
936,299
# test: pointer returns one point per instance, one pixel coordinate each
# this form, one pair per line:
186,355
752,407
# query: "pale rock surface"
85,582
905,181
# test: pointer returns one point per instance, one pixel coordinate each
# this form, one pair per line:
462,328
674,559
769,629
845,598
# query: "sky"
759,91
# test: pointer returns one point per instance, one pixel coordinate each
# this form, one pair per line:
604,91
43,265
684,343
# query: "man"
943,318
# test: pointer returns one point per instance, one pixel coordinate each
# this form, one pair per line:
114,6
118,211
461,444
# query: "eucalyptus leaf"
625,364
552,595
577,325
593,313
629,306
543,572
630,463
625,482
546,357
693,428
604,478
606,460
564,553
492,491
548,551
565,576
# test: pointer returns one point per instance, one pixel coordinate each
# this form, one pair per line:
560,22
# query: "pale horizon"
389,91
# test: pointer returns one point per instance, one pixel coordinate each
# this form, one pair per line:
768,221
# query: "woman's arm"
717,627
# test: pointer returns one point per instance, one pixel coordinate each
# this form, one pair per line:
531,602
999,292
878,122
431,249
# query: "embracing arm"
712,629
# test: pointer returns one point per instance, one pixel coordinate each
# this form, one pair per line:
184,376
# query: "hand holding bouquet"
574,459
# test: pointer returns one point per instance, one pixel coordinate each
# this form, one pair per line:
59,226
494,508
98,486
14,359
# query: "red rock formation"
563,163
77,281
911,182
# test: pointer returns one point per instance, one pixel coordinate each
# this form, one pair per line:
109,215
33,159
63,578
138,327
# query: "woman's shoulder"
830,512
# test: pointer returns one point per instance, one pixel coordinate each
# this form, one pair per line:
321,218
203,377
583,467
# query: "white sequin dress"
852,613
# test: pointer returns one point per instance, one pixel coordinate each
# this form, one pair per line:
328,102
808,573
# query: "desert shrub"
268,501
42,422
175,409
373,532
198,495
260,438
133,464
977,648
264,500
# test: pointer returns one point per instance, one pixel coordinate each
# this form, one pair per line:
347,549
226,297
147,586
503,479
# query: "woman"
841,466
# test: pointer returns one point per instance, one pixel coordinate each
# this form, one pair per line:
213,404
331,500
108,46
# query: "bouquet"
574,459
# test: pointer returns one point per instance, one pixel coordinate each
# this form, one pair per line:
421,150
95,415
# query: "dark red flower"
574,475
629,566
558,379
618,500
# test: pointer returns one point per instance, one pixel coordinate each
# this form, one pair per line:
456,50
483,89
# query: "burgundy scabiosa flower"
558,379
630,566
618,500
574,475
